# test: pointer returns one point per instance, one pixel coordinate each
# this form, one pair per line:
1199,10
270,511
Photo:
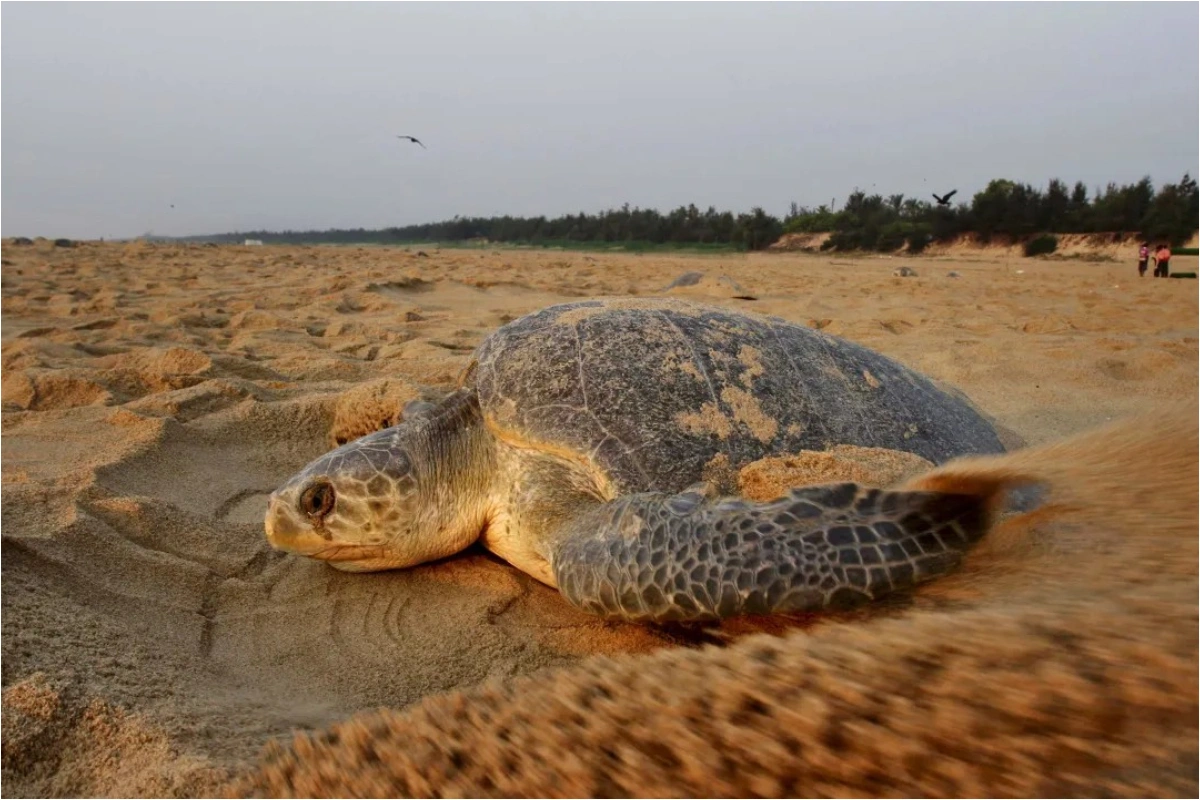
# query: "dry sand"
153,395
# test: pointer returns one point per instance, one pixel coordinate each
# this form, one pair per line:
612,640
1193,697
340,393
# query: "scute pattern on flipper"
654,557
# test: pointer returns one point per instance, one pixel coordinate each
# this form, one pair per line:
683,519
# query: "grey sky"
284,115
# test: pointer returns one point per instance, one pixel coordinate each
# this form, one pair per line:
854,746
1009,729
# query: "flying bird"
945,201
414,140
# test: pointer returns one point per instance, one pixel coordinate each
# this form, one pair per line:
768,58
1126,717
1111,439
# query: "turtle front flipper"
657,558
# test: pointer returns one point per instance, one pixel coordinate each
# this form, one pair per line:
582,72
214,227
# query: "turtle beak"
285,532
278,527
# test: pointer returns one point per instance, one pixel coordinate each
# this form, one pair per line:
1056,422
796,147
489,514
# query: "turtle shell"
656,392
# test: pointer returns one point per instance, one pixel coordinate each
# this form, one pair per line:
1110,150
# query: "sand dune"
153,395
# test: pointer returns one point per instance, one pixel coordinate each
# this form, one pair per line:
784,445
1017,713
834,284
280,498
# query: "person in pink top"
1162,262
1143,258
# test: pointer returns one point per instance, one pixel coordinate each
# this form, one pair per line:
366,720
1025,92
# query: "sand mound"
769,478
58,744
1074,674
372,406
38,390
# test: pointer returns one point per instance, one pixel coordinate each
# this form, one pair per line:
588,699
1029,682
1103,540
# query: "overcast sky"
284,115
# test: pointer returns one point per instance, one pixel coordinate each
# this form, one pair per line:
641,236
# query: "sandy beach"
154,395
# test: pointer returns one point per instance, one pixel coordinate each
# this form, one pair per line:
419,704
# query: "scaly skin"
656,558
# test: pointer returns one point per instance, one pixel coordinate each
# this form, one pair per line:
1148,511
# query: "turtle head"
384,501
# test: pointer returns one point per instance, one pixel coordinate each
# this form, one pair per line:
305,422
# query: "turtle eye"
317,500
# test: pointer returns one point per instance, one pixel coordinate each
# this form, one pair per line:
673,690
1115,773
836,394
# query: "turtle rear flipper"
658,558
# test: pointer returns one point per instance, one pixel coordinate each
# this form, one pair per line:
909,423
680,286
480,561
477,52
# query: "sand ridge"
154,394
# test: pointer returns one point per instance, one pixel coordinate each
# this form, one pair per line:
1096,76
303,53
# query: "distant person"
1143,258
1162,262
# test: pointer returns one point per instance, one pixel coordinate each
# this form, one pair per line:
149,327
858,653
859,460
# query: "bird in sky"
945,201
414,140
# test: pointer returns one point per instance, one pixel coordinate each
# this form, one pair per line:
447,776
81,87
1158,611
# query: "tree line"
1006,209
865,222
685,226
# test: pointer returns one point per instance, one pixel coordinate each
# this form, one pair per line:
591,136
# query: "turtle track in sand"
194,618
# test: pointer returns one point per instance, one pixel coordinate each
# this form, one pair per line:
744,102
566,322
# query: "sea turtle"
699,284
594,445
